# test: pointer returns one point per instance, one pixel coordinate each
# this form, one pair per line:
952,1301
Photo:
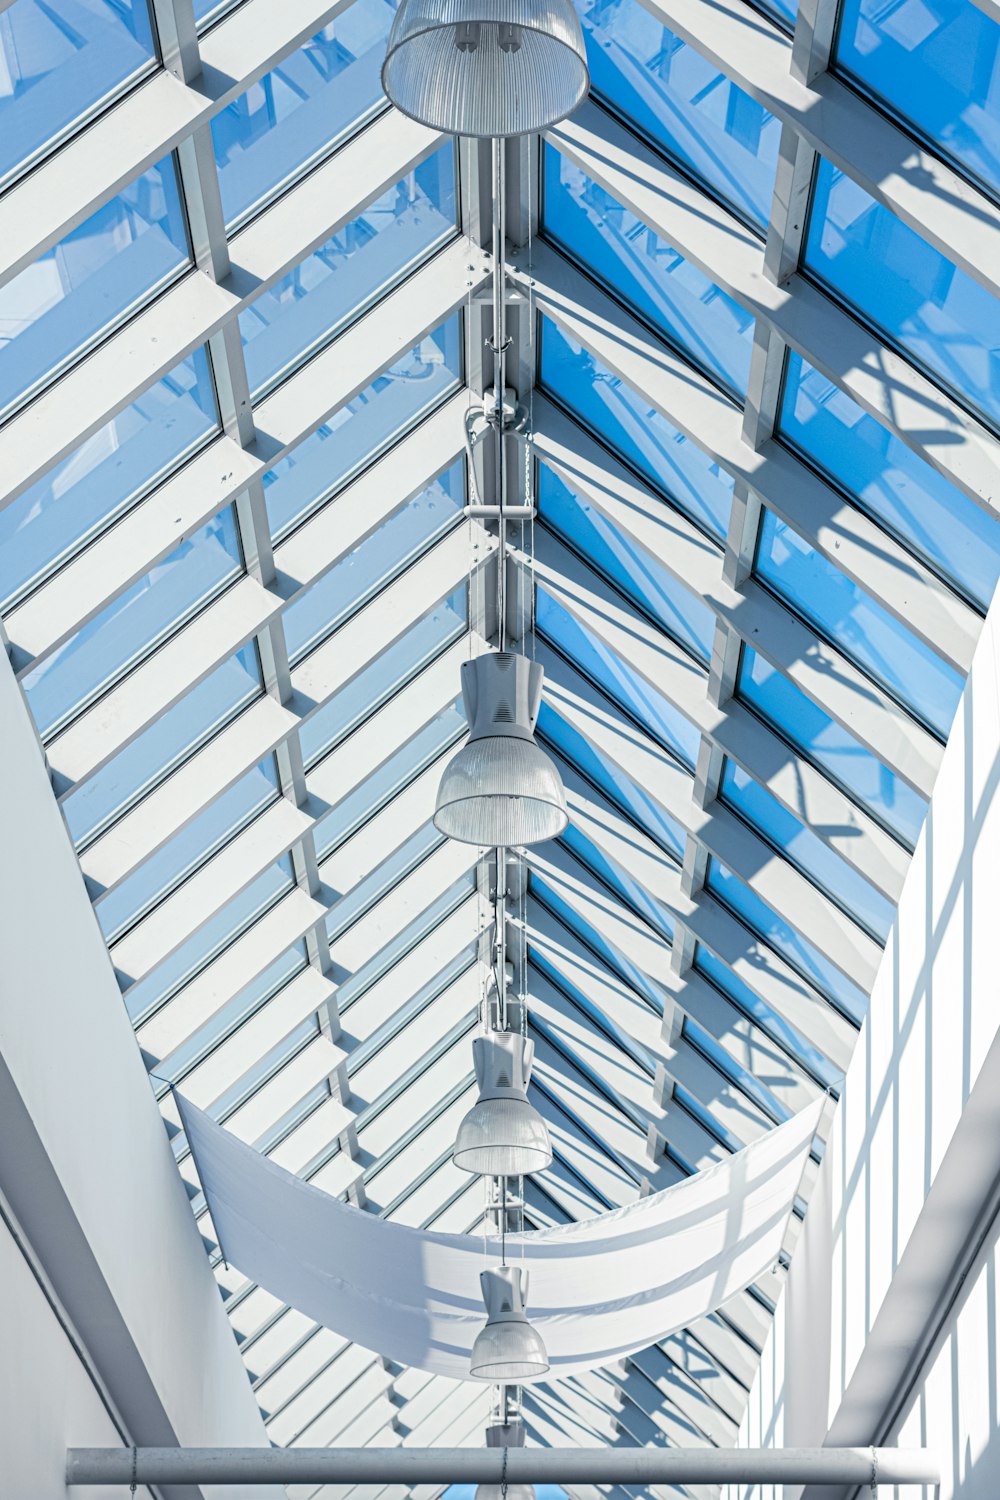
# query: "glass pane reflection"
949,531
109,472
294,116
682,103
336,284
359,431
59,63
644,271
644,438
902,285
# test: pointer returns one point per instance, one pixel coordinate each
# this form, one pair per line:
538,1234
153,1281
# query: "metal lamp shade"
508,1349
486,67
501,789
503,1135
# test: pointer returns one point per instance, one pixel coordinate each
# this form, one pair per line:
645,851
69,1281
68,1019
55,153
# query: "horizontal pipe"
492,512
411,1466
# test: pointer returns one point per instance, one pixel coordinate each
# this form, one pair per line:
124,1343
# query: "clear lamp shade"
508,1352
502,1138
501,791
514,1492
486,67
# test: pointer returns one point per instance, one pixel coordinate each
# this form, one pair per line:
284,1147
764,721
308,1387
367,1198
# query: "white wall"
912,1161
84,1160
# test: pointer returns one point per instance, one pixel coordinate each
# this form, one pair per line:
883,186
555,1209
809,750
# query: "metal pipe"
410,1466
510,512
499,350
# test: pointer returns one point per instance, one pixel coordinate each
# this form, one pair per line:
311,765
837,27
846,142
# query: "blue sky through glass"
643,270
935,63
676,98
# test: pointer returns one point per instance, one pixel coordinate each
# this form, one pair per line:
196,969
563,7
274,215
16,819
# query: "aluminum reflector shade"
508,1348
486,68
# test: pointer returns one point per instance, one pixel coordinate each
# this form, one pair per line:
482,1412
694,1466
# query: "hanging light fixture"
502,1135
501,789
508,1349
486,67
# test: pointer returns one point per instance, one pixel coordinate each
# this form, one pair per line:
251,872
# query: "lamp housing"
503,1135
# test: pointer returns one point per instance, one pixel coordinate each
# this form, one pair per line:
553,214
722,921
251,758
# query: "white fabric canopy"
597,1290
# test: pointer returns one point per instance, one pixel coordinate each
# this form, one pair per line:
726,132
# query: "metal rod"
499,350
510,512
409,1466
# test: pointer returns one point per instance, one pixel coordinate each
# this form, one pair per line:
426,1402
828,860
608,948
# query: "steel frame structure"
395,1070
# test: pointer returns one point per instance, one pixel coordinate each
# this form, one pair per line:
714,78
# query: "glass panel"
362,979
294,116
866,632
637,573
207,12
820,739
935,63
411,852
306,308
887,479
354,809
647,273
151,757
684,105
783,938
604,667
58,63
233,1014
775,1026
618,880
425,638
384,554
624,420
350,439
923,303
808,852
612,958
142,999
135,623
197,841
113,469
265,1067
634,801
116,261
727,1065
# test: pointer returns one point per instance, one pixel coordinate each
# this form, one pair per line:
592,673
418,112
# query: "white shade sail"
598,1290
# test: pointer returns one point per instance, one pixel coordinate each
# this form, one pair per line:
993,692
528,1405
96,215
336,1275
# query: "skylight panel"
134,624
169,740
644,271
828,745
356,434
337,283
639,434
60,65
637,573
110,471
632,692
613,959
904,287
879,643
355,809
634,801
803,956
884,477
194,954
374,562
188,850
411,852
617,879
402,942
426,637
114,263
936,66
301,111
682,104
804,849
776,1027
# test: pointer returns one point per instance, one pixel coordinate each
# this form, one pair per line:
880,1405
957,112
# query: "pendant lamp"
502,1135
505,1435
486,67
508,1349
501,790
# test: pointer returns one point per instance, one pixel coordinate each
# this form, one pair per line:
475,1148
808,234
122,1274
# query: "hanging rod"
412,1466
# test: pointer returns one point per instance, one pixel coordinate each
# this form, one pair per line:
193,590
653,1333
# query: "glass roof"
238,579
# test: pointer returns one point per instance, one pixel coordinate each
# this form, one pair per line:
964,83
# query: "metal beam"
639,1466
